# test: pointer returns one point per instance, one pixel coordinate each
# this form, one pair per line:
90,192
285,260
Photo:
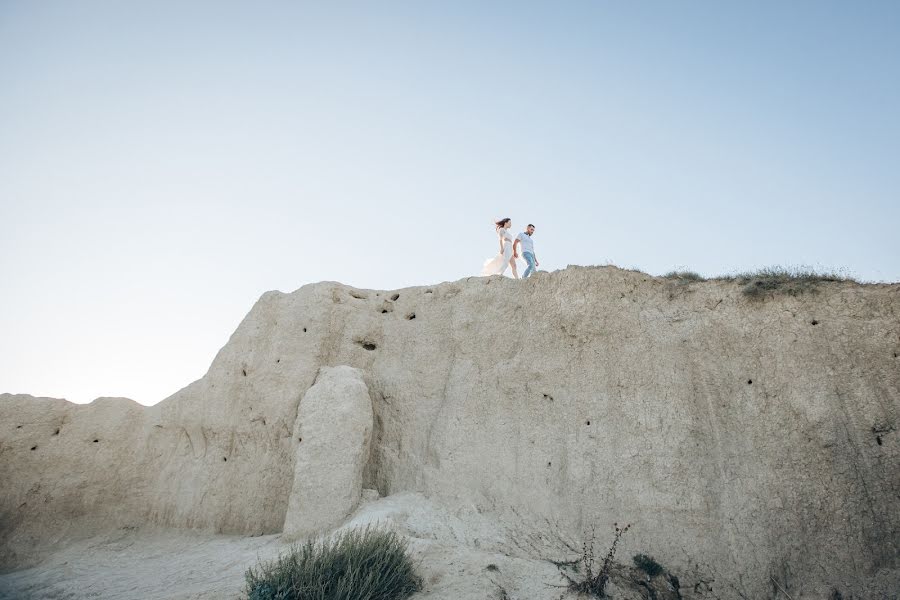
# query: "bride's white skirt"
498,264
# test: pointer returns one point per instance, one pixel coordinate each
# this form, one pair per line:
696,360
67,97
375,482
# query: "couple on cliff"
509,251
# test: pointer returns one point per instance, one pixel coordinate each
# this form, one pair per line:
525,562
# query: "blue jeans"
529,258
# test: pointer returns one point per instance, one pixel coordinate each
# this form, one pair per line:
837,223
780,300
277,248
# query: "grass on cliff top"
684,276
360,564
791,281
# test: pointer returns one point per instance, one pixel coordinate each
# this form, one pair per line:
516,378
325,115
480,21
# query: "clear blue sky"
164,163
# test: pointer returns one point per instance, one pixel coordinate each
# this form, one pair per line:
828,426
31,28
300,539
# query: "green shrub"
360,564
647,564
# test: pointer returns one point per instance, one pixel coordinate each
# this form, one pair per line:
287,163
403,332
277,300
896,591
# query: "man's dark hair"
530,225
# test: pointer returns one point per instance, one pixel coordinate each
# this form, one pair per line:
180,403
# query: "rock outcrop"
743,439
333,431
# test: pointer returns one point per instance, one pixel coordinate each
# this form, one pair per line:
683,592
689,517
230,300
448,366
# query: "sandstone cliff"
742,438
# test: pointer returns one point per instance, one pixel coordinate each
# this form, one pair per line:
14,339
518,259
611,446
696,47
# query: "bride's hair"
502,222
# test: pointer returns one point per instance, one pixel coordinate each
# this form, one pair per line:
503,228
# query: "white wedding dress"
498,264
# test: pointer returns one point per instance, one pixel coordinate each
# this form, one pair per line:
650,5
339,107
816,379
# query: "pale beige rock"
332,436
742,439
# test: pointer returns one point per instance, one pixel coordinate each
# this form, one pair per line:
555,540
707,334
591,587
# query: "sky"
162,164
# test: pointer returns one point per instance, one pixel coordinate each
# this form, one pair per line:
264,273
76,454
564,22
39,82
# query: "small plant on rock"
360,564
647,564
592,580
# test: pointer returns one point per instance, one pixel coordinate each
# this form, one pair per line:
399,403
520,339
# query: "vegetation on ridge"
791,281
684,276
360,564
759,283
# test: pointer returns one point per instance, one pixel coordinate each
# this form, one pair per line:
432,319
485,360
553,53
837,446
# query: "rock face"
743,439
66,469
333,431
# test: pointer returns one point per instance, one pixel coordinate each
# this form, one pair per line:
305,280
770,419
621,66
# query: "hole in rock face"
34,447
549,463
878,439
548,397
224,459
304,330
56,432
896,355
429,291
587,422
358,295
410,316
749,382
367,345
395,297
814,322
244,371
96,441
299,440
384,311
278,360
18,427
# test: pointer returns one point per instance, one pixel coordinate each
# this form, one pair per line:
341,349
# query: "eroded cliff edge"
740,437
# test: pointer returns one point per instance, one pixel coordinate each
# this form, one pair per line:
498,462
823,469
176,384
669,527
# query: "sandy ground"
460,557
152,565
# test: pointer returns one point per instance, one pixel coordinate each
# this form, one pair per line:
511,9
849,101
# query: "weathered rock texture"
744,440
333,431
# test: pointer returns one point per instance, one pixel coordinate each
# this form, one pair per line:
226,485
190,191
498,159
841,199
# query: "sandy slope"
168,564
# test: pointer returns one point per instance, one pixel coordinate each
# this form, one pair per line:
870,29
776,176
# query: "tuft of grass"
360,564
647,564
684,276
791,281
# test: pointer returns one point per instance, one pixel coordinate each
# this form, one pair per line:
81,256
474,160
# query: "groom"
524,238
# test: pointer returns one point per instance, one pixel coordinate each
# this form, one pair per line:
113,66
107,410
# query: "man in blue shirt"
524,238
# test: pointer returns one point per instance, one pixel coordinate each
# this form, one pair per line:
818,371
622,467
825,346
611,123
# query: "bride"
498,264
